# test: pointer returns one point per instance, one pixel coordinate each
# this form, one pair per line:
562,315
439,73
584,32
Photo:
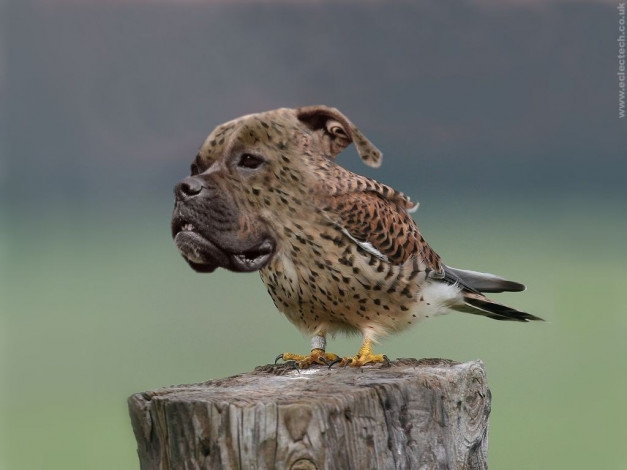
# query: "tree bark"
414,414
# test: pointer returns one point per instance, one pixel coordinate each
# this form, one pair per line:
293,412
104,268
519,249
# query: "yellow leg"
317,355
364,356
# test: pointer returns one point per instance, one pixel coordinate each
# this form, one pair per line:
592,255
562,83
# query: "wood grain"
426,414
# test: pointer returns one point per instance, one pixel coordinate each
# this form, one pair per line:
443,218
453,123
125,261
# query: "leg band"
318,342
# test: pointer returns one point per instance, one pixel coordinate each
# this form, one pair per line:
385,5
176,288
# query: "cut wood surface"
413,414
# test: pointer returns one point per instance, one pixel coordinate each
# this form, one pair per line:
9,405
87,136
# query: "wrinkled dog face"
249,176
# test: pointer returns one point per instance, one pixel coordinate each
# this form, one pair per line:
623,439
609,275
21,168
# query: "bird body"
356,262
338,252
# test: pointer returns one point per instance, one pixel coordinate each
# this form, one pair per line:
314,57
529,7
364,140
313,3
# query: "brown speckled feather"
372,213
370,218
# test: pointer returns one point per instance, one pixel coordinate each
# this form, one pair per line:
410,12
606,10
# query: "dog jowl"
250,176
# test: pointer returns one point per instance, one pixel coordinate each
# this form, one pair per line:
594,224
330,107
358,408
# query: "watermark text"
621,60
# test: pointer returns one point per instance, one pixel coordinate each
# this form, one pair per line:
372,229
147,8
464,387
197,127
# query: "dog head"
253,174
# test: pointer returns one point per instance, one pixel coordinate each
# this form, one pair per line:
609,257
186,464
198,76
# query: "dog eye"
194,169
250,161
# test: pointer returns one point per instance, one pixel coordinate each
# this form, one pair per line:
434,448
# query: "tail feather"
481,282
473,284
481,305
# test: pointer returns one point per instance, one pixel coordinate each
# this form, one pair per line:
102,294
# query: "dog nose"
188,187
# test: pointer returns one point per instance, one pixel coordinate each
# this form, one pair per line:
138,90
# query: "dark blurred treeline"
109,101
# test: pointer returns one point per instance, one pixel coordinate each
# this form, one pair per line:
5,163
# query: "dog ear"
336,133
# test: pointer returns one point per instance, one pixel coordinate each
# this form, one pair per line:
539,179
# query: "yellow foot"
364,356
317,356
363,359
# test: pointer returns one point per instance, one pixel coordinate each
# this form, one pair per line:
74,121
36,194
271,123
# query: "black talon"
335,362
293,364
280,356
387,361
324,360
348,361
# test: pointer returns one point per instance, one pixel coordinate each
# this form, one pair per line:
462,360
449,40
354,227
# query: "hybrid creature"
338,252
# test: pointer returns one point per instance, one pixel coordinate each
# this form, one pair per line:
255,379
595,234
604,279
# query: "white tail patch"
437,298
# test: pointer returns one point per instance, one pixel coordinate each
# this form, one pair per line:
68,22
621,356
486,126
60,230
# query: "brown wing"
375,222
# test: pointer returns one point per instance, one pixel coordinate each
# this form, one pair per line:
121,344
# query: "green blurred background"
501,118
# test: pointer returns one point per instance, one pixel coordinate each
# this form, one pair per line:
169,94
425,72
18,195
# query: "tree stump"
413,414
